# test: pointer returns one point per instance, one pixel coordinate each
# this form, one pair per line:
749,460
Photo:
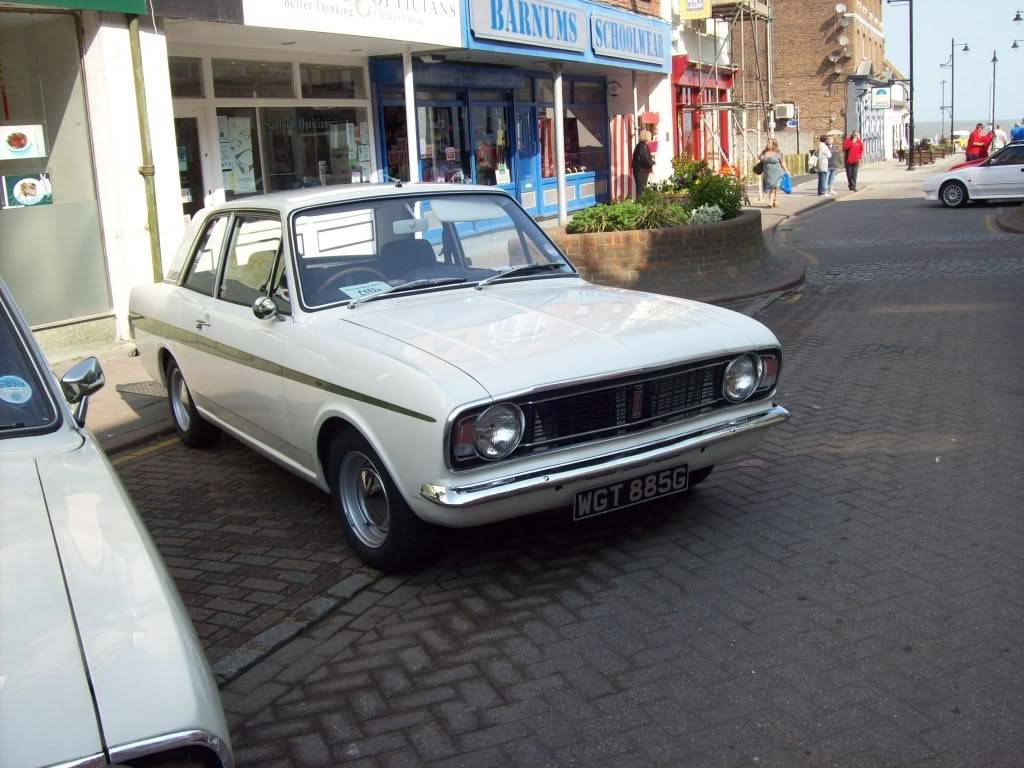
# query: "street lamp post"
995,60
952,81
942,111
910,80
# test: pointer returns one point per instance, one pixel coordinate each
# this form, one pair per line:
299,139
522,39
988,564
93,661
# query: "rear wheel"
193,429
953,194
378,523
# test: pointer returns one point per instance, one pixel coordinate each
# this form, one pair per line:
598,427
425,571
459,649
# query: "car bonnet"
514,337
46,709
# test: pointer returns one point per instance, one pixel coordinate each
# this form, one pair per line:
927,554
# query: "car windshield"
25,405
430,242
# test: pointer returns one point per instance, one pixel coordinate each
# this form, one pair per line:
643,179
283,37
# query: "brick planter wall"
669,261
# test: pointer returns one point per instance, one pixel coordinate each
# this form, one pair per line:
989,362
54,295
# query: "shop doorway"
527,182
193,159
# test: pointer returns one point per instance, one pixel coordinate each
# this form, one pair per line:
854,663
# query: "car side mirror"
265,307
84,379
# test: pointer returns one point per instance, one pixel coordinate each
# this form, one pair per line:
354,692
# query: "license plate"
626,493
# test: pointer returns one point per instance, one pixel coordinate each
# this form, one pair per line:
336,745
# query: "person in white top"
999,138
822,156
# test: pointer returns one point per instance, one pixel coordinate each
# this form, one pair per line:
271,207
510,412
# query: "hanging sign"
881,98
695,9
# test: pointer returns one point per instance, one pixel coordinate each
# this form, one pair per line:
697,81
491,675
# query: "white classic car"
1000,177
426,354
99,662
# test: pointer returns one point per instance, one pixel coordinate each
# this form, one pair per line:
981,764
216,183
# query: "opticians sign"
437,22
630,40
536,23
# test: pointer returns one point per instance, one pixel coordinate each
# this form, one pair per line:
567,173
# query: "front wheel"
953,194
378,523
193,430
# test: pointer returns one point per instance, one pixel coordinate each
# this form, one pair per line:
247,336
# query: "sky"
985,25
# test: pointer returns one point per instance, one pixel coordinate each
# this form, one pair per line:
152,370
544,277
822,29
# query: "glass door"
443,139
190,164
526,183
492,163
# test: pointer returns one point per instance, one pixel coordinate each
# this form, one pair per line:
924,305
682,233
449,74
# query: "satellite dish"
845,53
838,69
840,8
844,21
844,40
833,57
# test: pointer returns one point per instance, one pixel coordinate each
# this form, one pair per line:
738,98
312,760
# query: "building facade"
137,113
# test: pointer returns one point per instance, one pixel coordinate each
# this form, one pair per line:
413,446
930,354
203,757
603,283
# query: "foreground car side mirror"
265,307
84,379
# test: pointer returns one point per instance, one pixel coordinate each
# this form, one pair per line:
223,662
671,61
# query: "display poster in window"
502,175
364,133
364,153
27,191
236,153
182,159
21,142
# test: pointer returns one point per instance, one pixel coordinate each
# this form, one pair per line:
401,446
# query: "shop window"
240,162
396,144
545,89
331,82
442,143
186,77
588,93
234,78
490,145
524,92
490,96
585,137
310,147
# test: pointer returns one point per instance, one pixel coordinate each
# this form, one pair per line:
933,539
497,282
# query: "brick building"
810,49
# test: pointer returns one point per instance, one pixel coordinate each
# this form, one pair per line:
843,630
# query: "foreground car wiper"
522,269
427,282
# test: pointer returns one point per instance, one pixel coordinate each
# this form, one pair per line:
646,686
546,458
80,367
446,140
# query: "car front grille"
619,407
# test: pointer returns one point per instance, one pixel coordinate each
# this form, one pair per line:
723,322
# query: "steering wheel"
336,279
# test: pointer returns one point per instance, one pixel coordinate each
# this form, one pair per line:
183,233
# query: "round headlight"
498,431
741,376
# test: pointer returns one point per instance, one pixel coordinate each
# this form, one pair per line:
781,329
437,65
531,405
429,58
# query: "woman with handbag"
773,169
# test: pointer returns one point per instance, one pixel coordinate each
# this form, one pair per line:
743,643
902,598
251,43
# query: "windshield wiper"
522,269
427,282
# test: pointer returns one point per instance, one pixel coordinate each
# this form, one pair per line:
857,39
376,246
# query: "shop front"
702,130
487,114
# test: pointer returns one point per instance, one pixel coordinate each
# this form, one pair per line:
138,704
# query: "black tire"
953,194
193,430
698,476
378,523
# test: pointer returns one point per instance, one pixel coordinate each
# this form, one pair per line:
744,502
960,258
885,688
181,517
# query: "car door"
243,352
1004,174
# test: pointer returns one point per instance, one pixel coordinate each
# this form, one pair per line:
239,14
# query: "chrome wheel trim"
180,400
364,499
953,194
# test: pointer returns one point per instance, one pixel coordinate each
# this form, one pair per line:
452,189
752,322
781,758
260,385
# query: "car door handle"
201,322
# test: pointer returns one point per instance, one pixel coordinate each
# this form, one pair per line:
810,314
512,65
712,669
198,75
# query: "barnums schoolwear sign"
564,27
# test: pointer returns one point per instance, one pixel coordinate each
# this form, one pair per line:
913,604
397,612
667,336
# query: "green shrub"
705,214
651,211
723,191
686,171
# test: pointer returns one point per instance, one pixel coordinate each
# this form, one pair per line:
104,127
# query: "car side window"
202,271
249,265
279,288
1009,156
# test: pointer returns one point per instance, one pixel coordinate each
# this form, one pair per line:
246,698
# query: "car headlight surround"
741,377
498,431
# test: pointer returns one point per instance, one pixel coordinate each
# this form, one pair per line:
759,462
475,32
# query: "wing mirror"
84,379
265,307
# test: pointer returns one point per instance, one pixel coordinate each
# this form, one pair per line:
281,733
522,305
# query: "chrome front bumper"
461,496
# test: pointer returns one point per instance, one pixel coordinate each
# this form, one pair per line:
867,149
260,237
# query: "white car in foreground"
427,355
1000,177
99,663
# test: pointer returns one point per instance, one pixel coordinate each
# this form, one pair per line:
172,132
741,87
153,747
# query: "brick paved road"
852,594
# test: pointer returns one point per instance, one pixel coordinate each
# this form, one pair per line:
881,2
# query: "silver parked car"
99,663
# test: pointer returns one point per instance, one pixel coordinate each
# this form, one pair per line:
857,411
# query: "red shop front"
701,132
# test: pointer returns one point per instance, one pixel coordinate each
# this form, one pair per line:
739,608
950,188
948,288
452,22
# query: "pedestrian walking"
853,150
643,163
999,138
773,171
1017,132
823,155
833,165
977,143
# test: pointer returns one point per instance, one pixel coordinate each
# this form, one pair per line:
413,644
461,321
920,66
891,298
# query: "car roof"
289,200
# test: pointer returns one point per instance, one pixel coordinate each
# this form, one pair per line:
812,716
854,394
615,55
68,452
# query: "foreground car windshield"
440,241
25,405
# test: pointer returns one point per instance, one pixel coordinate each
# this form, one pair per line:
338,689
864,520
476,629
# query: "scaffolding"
754,16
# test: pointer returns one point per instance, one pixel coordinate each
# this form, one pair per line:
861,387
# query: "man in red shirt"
977,143
853,149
